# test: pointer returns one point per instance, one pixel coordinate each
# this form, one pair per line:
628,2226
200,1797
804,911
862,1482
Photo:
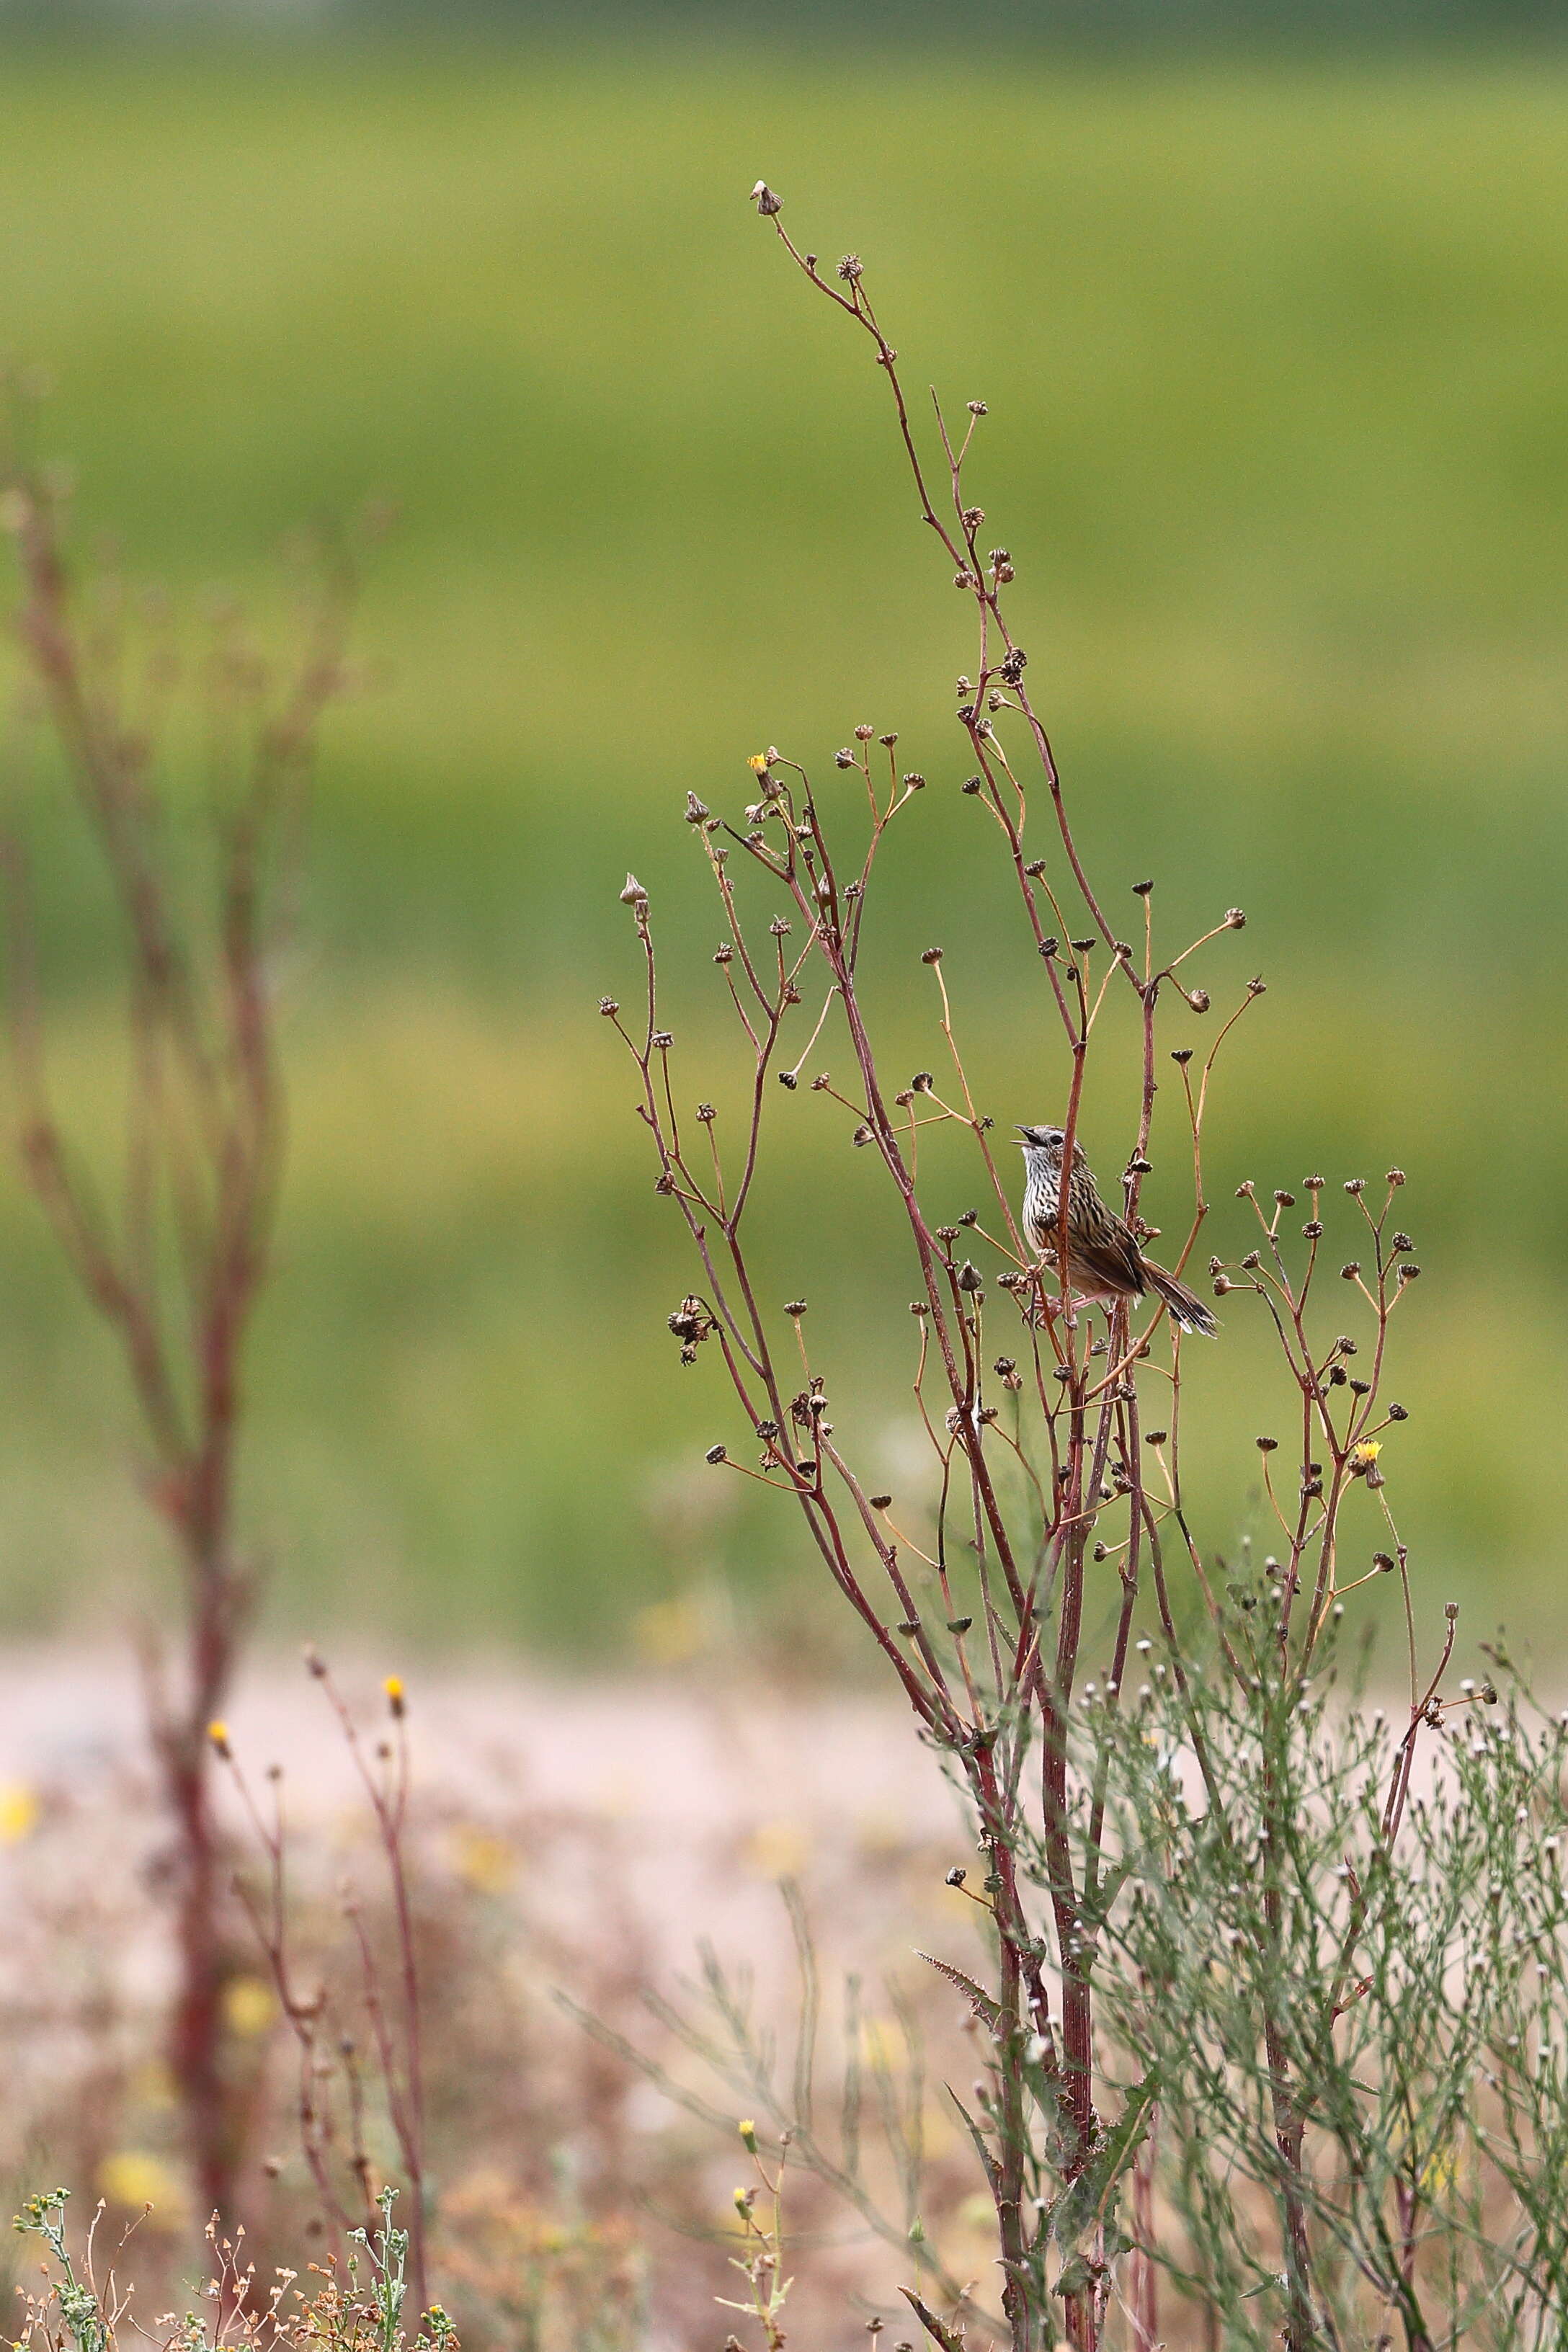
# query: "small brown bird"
1105,1258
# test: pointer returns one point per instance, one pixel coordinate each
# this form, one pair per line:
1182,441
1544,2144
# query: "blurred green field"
1277,362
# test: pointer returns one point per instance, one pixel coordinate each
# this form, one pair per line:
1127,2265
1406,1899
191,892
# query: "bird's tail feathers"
1186,1308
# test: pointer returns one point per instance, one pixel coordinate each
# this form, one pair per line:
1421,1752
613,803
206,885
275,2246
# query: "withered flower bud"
1408,1270
959,1624
1286,1199
947,1232
919,1307
1361,1388
863,733
1083,947
1396,1176
963,579
972,784
1268,1445
922,1082
766,203
706,1112
767,1430
609,1007
1257,987
779,927
1402,1241
715,1454
1251,1262
880,1502
1349,1273
914,782
1383,1560
795,1308
1142,889
1034,869
1399,1413
1183,1054
969,1276
849,269
665,1184
969,1216
1198,998
788,1078
932,955
844,759
695,810
1235,918
1245,1189
978,409
723,953
1158,1437
1355,1184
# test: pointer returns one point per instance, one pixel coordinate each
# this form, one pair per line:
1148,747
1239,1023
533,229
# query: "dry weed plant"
171,1249
1271,1986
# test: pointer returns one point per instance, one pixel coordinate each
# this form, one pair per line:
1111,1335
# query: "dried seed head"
977,408
706,1112
863,734
1349,1273
850,267
880,1502
932,955
695,810
1183,1054
844,759
724,953
766,203
1356,1184
1198,998
715,1454
609,1007
1396,1176
634,894
969,1276
795,1308
914,782
1286,1199
1399,1413
1268,1445
1235,918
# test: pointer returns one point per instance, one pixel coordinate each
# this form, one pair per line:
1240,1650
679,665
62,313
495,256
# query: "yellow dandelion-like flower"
482,1860
759,763
133,2176
1367,1453
217,1732
248,2006
19,1811
778,1849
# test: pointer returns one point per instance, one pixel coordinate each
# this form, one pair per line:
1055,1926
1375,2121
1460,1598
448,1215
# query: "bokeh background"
1271,310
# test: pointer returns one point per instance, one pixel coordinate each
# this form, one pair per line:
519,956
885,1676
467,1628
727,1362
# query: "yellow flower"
217,1732
778,1849
668,1632
19,1811
760,763
134,2175
393,1687
1367,1453
747,2131
248,2006
485,1861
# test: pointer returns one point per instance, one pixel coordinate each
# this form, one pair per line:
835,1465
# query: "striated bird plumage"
1105,1257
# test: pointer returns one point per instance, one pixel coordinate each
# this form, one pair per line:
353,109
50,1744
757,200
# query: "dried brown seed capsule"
1356,1184
715,1454
724,953
634,894
844,759
1286,1199
695,810
1268,1445
1349,1273
1235,918
978,409
1183,1054
1402,1241
706,1112
914,782
972,784
959,1624
1158,1437
919,1307
910,1626
1083,947
1396,1176
969,1278
609,1007
1311,1231
1399,1413
880,1502
849,269
1142,889
766,203
1198,998
795,1307
1408,1270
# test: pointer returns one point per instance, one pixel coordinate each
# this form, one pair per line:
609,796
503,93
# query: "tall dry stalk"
172,1248
1055,1485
